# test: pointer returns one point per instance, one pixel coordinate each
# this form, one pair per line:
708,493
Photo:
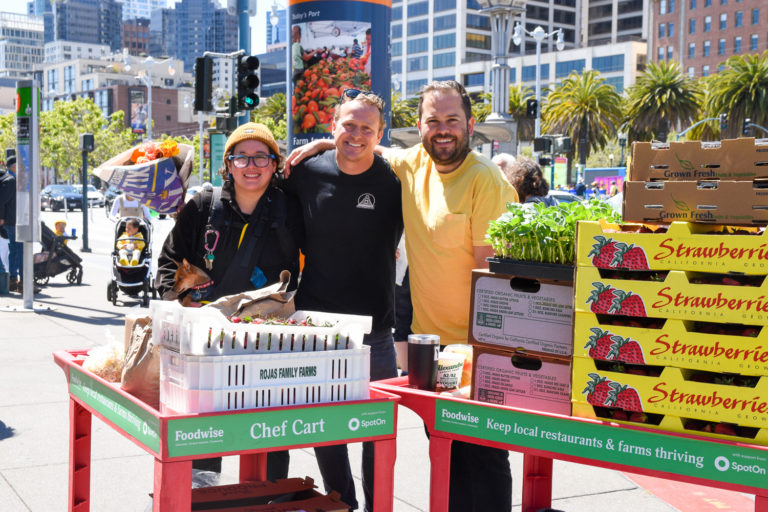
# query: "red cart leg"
173,486
440,473
761,503
79,458
253,468
384,453
537,483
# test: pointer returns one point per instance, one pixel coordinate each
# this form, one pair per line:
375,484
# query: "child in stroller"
131,268
131,241
56,258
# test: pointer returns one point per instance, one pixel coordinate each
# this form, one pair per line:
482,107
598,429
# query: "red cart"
176,440
542,437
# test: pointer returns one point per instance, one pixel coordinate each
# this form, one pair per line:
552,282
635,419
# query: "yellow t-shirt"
138,245
445,216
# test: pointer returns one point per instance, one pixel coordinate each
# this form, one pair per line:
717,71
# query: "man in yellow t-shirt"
449,194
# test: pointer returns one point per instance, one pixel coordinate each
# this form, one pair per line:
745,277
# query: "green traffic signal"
247,82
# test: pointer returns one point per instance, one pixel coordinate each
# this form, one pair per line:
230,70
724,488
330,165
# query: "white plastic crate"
204,331
175,398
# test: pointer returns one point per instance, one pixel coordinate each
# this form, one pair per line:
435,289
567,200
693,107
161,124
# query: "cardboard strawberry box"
731,348
680,246
731,159
522,380
677,392
743,203
510,312
670,423
681,295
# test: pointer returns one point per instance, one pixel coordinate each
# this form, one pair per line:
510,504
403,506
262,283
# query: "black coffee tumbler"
423,352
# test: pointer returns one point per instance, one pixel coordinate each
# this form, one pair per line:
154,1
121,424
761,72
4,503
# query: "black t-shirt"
352,227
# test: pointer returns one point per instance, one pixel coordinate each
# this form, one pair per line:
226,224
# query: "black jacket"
279,249
7,198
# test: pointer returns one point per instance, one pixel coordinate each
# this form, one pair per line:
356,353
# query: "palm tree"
518,95
741,91
585,107
274,107
662,97
404,112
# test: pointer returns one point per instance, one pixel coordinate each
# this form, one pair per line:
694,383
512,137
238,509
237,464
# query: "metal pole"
243,19
200,151
537,125
85,202
149,99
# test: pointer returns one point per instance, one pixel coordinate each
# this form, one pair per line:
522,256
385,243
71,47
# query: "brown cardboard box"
508,312
741,159
719,202
516,379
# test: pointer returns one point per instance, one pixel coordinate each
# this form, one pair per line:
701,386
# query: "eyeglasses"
260,160
351,93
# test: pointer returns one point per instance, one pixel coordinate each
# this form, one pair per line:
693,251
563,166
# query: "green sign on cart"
656,451
135,421
275,428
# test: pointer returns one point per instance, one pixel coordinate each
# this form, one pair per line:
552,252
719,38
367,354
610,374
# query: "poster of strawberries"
333,47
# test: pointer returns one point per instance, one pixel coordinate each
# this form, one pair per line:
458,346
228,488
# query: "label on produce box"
709,460
283,427
126,415
521,313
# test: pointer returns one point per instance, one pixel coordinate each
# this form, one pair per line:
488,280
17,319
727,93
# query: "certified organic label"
660,452
135,421
286,427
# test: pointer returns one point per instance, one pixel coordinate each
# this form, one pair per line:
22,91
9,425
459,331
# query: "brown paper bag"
271,301
141,374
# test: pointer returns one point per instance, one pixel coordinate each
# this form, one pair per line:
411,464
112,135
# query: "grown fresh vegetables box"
680,246
707,396
729,348
733,298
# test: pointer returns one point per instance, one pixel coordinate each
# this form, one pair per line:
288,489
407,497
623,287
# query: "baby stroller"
132,280
56,258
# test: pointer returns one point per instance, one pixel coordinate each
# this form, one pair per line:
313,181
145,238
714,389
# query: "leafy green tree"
661,98
741,91
586,108
518,96
7,132
272,113
404,112
481,107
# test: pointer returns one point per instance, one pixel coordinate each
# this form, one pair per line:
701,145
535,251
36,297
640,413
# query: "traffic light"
542,144
745,131
247,82
562,145
203,84
531,108
723,122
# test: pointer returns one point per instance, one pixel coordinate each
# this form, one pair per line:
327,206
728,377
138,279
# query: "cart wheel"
112,293
41,280
72,275
79,279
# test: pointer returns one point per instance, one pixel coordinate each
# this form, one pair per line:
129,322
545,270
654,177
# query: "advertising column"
335,45
27,178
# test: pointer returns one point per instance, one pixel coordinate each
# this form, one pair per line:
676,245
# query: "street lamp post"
538,35
149,61
501,12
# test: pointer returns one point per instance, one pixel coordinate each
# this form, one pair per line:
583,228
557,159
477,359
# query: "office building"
89,21
21,44
136,36
702,34
162,32
194,27
133,9
60,51
277,35
43,8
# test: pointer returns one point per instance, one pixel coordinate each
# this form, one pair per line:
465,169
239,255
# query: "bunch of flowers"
154,150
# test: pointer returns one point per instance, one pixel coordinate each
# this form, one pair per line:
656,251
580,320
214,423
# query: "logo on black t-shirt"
366,201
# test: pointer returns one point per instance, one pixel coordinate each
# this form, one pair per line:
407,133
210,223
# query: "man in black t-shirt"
351,204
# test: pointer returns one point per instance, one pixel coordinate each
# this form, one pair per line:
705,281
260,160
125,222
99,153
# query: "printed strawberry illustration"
599,344
630,257
602,252
624,397
602,298
627,303
627,350
597,389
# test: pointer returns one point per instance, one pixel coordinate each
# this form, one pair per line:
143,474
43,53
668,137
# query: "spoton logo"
353,424
722,463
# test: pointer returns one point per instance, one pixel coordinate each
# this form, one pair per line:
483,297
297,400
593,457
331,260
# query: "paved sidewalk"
34,418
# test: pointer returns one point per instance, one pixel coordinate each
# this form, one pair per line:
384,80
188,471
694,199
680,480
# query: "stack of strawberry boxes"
714,182
670,329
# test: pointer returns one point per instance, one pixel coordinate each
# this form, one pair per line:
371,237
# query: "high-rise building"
277,35
21,44
162,32
133,9
199,26
136,36
89,21
702,34
43,8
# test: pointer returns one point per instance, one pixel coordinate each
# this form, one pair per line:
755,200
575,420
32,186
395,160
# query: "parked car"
95,198
563,196
58,197
191,191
